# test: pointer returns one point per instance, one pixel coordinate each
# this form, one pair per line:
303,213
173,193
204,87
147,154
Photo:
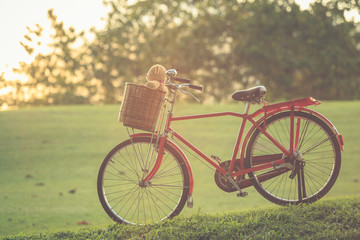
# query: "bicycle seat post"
247,107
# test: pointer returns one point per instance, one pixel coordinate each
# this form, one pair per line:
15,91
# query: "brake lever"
189,93
179,87
186,92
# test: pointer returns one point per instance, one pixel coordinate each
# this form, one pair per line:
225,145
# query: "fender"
176,148
327,121
322,117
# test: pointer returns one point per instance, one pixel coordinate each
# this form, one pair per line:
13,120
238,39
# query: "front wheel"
123,194
314,171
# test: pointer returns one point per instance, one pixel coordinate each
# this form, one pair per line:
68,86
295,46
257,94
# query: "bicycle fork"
159,148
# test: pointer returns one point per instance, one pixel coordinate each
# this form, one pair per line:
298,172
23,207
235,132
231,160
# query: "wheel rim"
131,200
315,145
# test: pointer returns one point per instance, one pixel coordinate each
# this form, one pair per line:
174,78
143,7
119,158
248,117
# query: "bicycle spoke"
126,165
132,162
168,190
129,208
139,158
308,182
150,208
308,134
156,204
165,173
129,194
166,196
119,177
169,185
157,201
303,133
317,174
110,193
115,185
150,154
277,135
315,146
286,132
263,147
119,172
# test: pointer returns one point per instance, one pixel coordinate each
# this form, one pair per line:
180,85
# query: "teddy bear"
156,78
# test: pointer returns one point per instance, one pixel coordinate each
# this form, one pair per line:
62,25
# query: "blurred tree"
137,36
224,45
296,53
3,85
55,78
227,45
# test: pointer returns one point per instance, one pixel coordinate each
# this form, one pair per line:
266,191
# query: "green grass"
45,152
335,219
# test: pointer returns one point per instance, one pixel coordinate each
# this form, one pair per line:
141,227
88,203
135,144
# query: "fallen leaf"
72,191
83,223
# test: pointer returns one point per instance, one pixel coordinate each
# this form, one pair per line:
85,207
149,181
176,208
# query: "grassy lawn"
326,219
49,158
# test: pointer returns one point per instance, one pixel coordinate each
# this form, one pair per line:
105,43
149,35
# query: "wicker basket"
141,107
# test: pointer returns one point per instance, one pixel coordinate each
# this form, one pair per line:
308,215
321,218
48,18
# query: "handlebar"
186,83
200,88
182,80
171,74
180,86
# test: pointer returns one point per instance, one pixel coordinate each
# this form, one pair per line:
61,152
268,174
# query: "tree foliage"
57,77
224,45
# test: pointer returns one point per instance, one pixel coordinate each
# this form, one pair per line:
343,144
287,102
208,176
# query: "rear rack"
302,102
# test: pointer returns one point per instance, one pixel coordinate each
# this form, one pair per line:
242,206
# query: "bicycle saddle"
250,95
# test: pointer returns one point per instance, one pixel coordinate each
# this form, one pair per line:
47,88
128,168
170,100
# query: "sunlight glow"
4,91
304,4
16,15
4,107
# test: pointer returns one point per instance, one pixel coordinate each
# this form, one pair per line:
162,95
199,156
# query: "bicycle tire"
321,154
119,183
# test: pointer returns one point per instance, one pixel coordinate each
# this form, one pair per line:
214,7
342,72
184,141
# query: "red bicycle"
291,155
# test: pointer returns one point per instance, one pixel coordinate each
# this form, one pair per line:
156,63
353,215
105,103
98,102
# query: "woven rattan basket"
141,107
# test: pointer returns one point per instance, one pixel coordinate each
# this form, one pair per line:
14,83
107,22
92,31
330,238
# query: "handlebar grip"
200,88
183,80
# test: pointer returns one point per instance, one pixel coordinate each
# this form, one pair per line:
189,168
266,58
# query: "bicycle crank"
223,182
236,185
227,183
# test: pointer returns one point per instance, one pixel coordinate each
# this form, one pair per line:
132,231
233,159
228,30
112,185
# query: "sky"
15,15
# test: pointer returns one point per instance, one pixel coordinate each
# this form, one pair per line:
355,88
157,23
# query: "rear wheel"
312,173
123,194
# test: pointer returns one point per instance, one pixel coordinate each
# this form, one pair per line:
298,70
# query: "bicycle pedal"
242,194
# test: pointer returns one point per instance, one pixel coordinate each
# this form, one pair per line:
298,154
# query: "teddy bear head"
156,77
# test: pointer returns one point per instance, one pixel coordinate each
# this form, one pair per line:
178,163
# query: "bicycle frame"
268,161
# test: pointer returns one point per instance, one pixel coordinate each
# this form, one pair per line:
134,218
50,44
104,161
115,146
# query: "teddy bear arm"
152,85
